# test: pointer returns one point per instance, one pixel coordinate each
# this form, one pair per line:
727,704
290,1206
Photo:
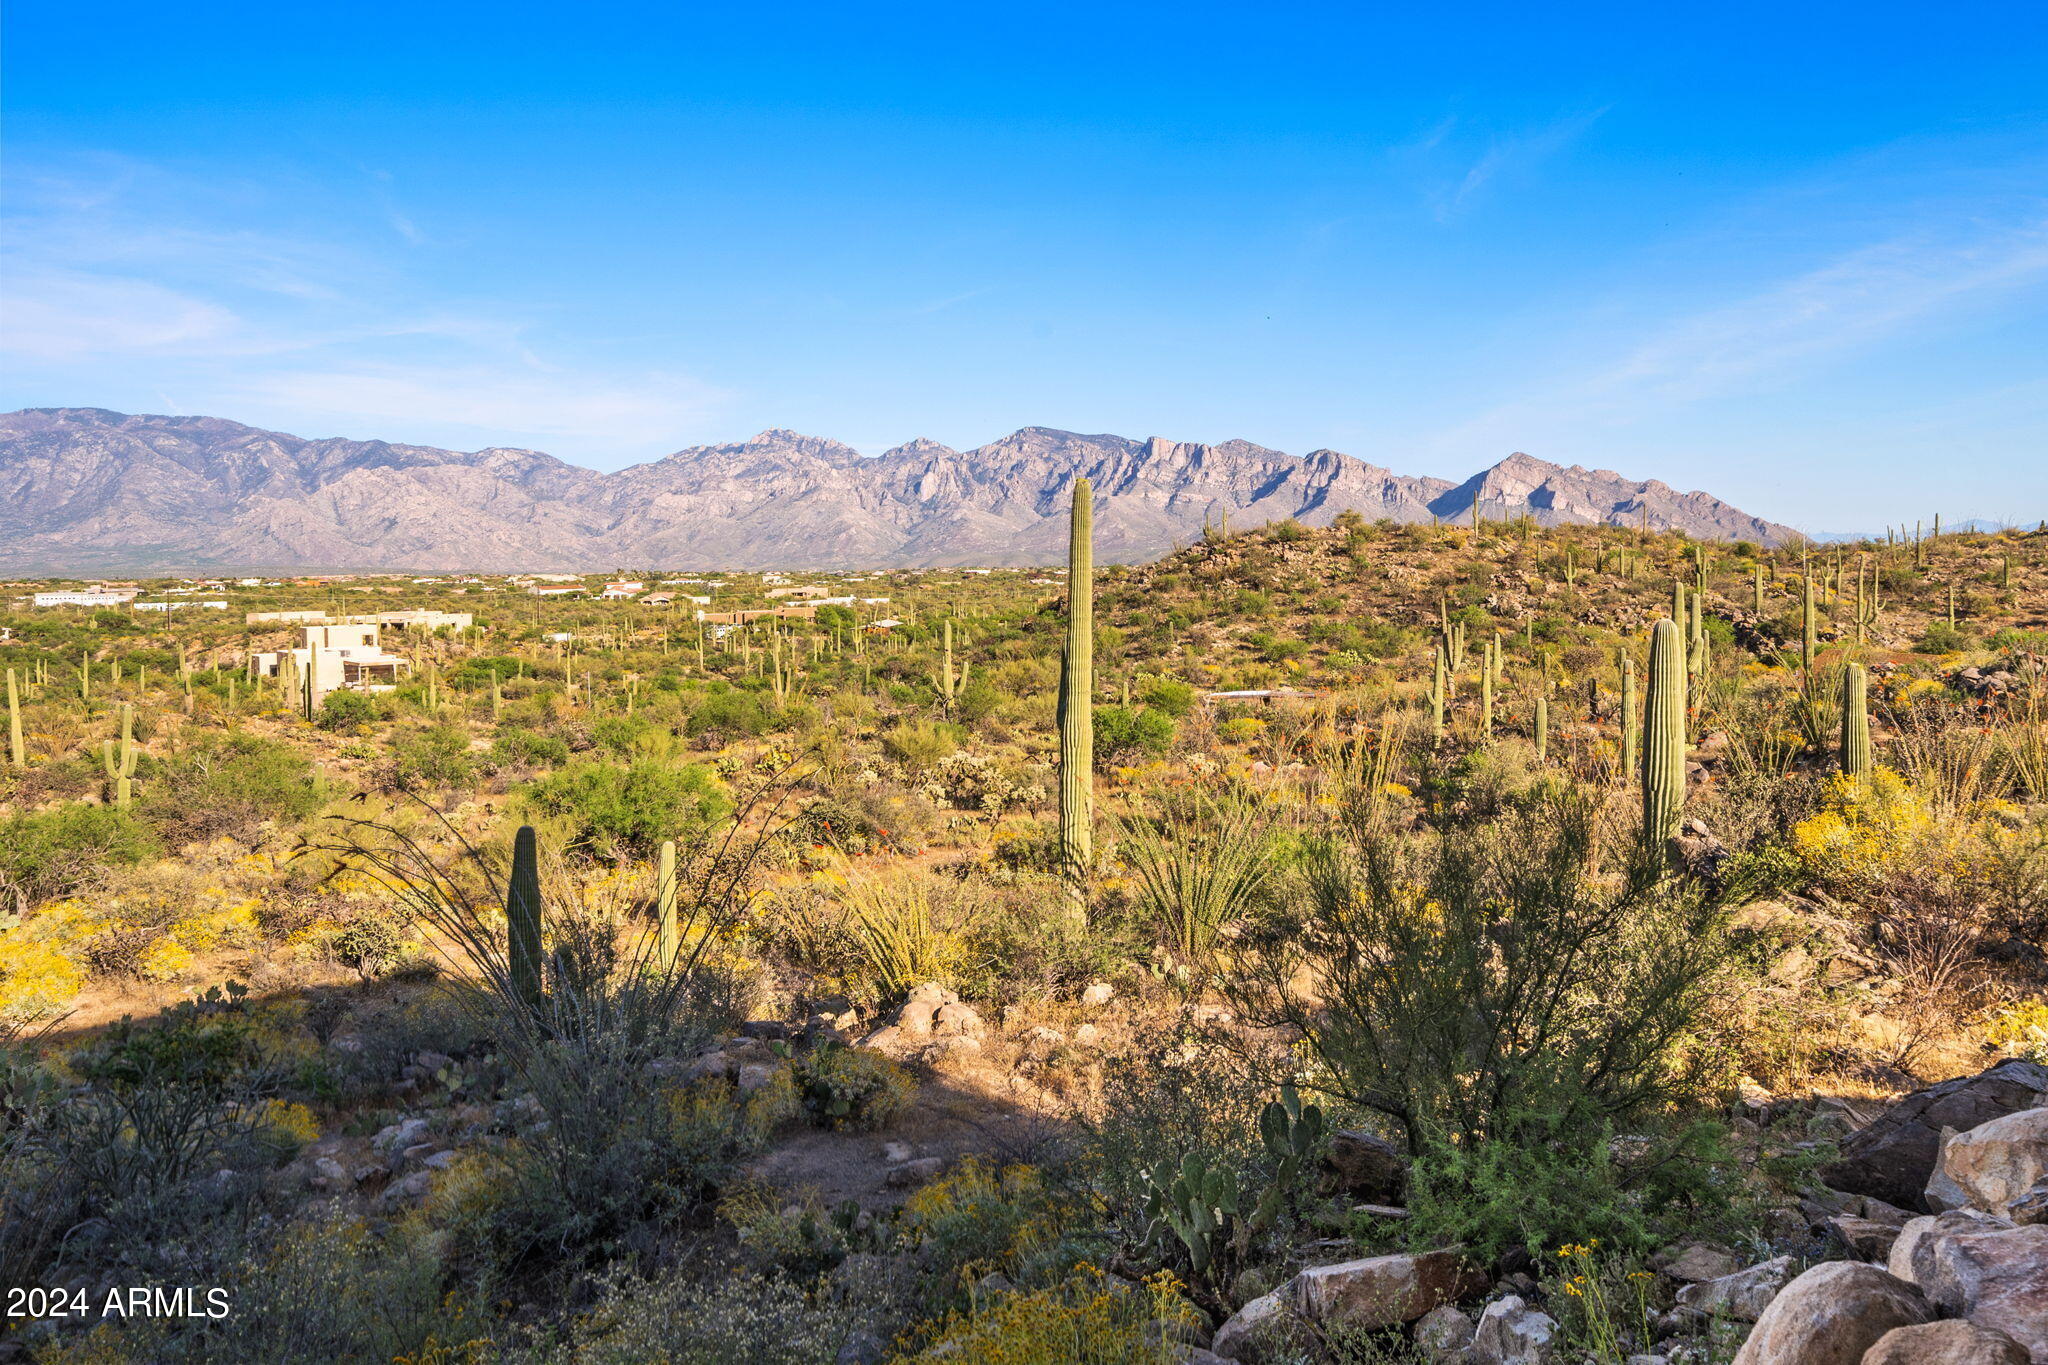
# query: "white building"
210,604
95,597
339,657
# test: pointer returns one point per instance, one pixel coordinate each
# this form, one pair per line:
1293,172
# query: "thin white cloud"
1506,156
70,315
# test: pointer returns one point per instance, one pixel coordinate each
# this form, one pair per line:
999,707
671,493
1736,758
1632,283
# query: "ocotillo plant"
119,762
522,920
16,753
1856,758
665,904
1664,737
1076,710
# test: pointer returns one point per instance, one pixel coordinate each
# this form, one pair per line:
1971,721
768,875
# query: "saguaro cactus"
1542,727
1077,706
1856,758
665,905
16,753
1809,632
119,761
522,919
1664,736
1629,723
1437,698
950,684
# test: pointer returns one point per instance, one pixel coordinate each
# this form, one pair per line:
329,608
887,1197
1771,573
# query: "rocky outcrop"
1894,1156
1992,1165
1362,1295
1997,1277
85,490
1832,1315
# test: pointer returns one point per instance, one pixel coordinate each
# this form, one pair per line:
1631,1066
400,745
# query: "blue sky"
1795,255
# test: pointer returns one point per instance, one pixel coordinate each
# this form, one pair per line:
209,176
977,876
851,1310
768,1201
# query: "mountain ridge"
91,490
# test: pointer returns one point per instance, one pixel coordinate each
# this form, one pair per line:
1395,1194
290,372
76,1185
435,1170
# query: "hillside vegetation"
1504,977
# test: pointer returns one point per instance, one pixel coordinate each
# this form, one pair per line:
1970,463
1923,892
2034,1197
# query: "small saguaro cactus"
522,920
1664,736
665,905
119,760
1809,631
1486,696
1856,758
1542,727
950,684
1076,711
1437,698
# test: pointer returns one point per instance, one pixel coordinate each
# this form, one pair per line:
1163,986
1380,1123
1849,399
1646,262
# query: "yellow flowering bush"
1869,828
37,979
1090,1319
289,1125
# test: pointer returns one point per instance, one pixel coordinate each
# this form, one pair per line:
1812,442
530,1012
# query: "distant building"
336,658
94,597
552,592
740,618
804,590
213,604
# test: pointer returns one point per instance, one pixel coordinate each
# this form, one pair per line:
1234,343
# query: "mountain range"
86,491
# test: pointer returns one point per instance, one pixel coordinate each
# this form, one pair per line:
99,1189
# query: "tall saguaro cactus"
1856,757
119,761
522,919
1077,707
665,905
1664,736
1630,726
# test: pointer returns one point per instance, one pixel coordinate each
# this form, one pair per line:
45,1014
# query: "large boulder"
1252,1333
1997,1278
1953,1342
1993,1164
1381,1291
1912,1256
1831,1315
1893,1157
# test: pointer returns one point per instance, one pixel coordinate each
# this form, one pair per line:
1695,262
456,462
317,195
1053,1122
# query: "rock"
1699,1263
1445,1333
1945,1343
1512,1333
918,1171
931,993
709,1067
754,1076
420,1151
1043,1039
896,1153
861,1347
1863,1238
916,1017
1381,1291
370,1174
956,1018
1893,1157
1831,1315
439,1161
1087,1035
955,1045
1992,1164
431,1062
1198,1355
398,1136
1997,1278
1238,1338
1097,994
409,1190
1365,1166
1877,1211
329,1174
767,1030
1912,1255
1743,1295
2031,1207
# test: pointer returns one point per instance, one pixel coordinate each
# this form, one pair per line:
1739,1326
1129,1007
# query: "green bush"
725,711
629,808
619,733
1170,696
348,712
437,756
45,854
529,748
228,785
917,744
1121,731
849,1087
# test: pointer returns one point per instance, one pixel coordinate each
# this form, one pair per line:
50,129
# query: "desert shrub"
1123,731
1942,638
349,712
918,744
714,1318
229,785
318,1289
901,944
727,712
1169,696
619,733
519,747
437,756
52,853
849,1087
1082,1321
1480,979
629,808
